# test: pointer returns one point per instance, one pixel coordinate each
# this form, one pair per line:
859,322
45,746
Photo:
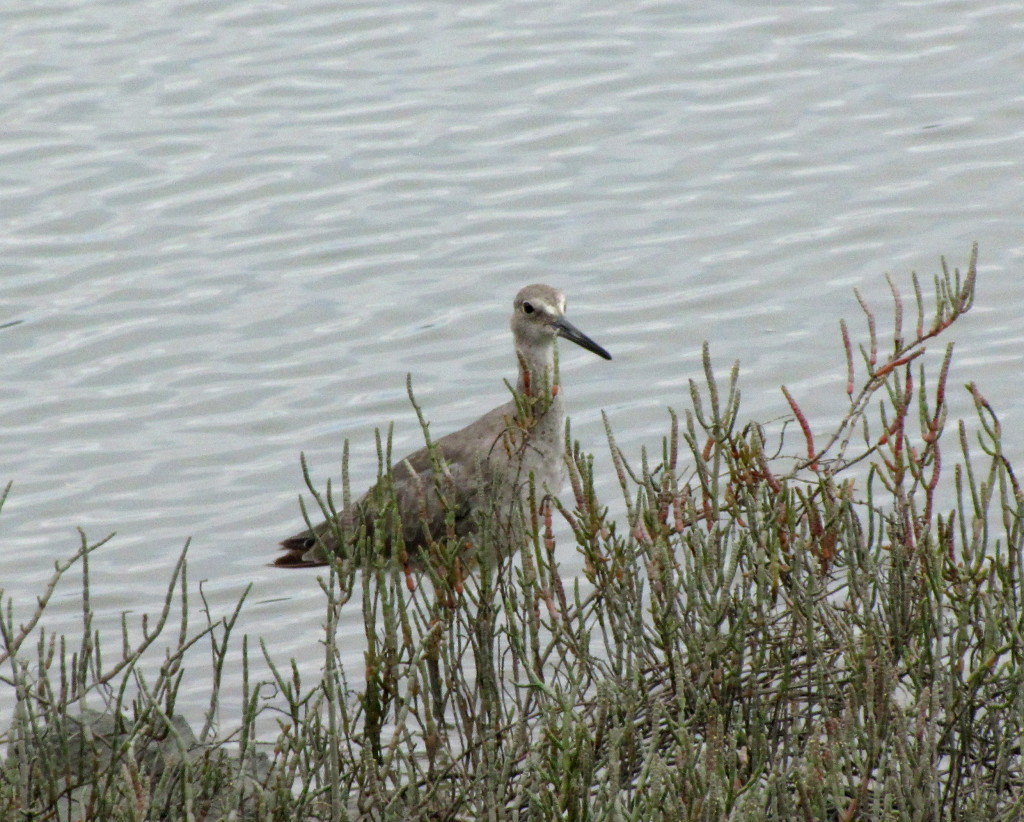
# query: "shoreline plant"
768,635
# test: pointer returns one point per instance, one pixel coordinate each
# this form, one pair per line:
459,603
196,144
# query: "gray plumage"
487,464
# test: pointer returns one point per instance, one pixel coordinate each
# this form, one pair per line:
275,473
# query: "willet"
476,477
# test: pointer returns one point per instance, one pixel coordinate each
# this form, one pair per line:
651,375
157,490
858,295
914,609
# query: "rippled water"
229,231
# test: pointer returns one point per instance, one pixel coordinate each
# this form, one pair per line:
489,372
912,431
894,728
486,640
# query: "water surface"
230,230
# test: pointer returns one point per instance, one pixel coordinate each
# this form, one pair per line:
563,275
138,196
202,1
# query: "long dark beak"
573,334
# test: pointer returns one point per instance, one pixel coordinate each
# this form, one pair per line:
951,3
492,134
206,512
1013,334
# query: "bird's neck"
539,413
538,373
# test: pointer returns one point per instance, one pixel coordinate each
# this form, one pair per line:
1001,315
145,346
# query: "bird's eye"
527,308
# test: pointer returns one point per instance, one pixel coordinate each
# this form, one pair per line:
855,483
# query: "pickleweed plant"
785,625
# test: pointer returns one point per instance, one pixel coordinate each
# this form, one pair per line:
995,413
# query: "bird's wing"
430,504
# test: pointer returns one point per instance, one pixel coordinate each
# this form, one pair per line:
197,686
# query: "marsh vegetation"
784,625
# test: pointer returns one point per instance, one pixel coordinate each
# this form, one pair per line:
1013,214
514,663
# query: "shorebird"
474,479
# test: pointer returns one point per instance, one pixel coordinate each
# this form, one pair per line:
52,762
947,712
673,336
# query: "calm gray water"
230,229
